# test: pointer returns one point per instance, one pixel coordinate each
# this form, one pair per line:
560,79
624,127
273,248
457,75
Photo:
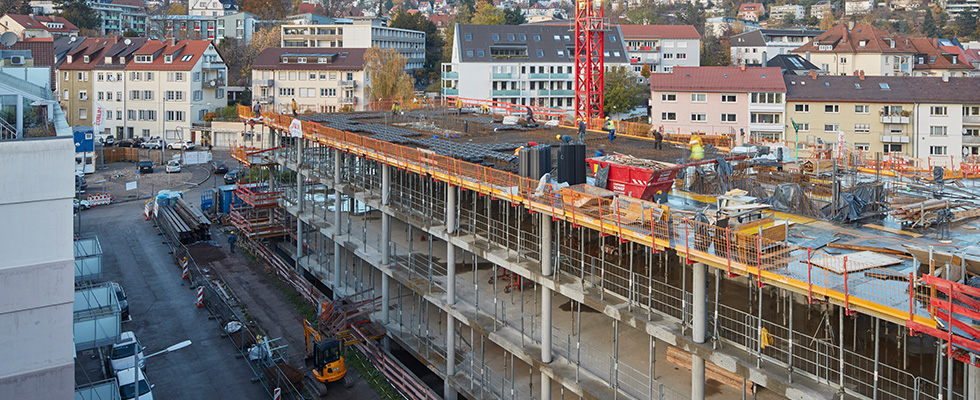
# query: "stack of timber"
816,167
925,213
187,223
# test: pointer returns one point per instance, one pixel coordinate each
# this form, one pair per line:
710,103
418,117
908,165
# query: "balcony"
214,82
265,100
450,75
496,75
499,93
895,138
544,92
348,84
538,76
562,92
561,76
971,139
348,100
265,82
212,64
894,119
450,92
971,119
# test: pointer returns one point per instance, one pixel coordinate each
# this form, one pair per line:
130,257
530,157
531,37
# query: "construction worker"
517,151
697,150
459,106
530,115
610,126
294,107
231,241
659,137
564,138
395,108
484,109
581,131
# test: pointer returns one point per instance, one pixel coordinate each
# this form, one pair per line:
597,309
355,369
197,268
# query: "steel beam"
699,300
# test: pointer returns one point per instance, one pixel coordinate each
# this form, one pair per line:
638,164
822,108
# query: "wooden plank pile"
187,223
924,213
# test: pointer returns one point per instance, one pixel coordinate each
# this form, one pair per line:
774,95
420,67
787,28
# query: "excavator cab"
328,365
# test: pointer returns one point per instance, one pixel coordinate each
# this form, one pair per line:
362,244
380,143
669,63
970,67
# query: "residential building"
361,33
857,7
146,88
42,54
121,16
442,21
927,118
749,47
523,64
822,9
37,26
743,101
847,49
317,79
662,47
726,26
751,11
777,13
75,79
212,8
790,64
552,10
36,153
240,25
956,7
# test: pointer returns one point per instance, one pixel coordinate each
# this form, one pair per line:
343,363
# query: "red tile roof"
720,79
659,31
751,7
195,48
943,55
843,40
441,20
307,8
272,59
38,22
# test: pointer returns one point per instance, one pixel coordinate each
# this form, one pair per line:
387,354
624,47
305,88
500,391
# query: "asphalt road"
163,312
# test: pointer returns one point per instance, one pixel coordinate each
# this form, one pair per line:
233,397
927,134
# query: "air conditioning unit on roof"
17,60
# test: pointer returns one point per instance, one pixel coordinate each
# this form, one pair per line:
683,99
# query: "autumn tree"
386,75
266,9
488,14
465,15
645,72
622,92
239,56
433,39
78,12
177,9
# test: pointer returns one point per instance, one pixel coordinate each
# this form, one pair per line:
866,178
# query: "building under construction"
517,287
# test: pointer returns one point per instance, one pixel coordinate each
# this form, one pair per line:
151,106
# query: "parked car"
133,385
145,166
108,140
153,144
231,177
173,166
122,354
220,167
126,143
181,145
121,297
80,184
81,205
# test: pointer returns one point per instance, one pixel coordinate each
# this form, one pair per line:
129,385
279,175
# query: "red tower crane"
589,39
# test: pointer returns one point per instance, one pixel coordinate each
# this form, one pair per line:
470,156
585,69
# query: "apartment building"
146,88
662,47
743,101
822,9
356,33
212,8
239,25
857,7
722,26
940,57
926,118
777,13
37,26
750,47
751,11
956,7
318,80
522,64
75,79
121,16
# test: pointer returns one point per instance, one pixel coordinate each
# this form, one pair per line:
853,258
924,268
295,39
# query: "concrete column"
973,373
336,223
385,218
299,201
699,299
299,243
449,393
547,269
20,120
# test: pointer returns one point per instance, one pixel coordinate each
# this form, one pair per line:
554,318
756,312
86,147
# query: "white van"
128,387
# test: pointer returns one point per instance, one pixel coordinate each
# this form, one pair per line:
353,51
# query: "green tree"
647,14
386,74
433,39
965,24
488,14
694,15
788,20
622,92
79,13
929,28
464,16
131,33
514,16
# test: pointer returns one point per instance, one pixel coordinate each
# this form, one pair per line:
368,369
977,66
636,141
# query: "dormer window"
169,58
863,43
321,60
70,58
285,60
301,60
108,60
143,59
85,59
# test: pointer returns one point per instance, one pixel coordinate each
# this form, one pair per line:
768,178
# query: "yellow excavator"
324,362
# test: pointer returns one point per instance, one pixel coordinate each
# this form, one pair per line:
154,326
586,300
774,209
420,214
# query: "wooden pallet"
711,371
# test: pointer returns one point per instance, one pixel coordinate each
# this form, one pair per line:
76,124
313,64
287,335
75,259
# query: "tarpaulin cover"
859,201
602,176
789,198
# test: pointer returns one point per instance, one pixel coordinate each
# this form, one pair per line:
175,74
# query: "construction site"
513,266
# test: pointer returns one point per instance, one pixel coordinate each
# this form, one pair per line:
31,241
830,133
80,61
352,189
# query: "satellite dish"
8,38
73,39
128,42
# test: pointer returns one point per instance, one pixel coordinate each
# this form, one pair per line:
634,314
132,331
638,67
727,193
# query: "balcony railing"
450,75
538,76
496,75
348,100
265,82
971,139
505,92
214,82
895,138
562,92
450,92
894,119
348,84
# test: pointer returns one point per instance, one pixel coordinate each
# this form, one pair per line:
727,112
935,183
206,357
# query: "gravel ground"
113,177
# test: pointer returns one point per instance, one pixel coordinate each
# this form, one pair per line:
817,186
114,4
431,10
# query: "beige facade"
75,93
313,90
877,64
876,127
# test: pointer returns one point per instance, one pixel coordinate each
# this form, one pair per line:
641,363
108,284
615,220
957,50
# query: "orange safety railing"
501,108
768,261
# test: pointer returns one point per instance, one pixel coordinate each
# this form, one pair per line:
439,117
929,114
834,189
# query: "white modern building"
361,33
749,47
662,47
524,64
121,16
856,7
212,8
777,13
318,80
239,25
956,7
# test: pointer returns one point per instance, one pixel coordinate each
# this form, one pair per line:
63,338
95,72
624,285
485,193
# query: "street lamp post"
137,358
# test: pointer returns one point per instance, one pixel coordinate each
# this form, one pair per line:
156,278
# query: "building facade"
121,16
749,47
37,26
360,33
662,47
777,13
751,11
212,8
857,7
524,64
743,101
318,80
240,25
